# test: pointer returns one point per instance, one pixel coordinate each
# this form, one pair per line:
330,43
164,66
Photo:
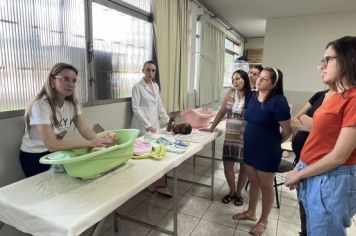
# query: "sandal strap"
253,230
239,201
245,216
227,198
262,224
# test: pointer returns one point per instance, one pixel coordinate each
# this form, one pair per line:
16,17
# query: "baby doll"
181,128
110,135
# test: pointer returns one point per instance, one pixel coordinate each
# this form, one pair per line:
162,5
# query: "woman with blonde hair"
51,115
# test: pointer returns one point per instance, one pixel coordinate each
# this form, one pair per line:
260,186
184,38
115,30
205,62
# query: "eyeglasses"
325,61
65,79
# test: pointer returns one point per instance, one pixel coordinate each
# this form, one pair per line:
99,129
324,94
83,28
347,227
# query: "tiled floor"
198,216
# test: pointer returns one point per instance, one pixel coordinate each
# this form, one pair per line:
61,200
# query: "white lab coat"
147,107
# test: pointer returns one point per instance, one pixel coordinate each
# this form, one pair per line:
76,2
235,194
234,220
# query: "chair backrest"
285,166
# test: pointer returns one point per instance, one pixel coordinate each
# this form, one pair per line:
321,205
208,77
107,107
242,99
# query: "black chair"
284,166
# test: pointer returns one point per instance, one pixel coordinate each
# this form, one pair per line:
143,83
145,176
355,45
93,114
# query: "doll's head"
182,128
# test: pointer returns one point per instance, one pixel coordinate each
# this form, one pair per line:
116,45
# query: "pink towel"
141,147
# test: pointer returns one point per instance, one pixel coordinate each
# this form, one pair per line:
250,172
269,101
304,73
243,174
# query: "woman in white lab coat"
147,105
147,111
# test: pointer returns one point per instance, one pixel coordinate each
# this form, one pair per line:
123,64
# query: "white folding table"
52,204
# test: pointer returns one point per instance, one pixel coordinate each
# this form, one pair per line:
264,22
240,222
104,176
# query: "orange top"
337,112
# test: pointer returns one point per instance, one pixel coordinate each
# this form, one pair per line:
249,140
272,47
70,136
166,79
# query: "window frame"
197,39
120,6
231,52
117,5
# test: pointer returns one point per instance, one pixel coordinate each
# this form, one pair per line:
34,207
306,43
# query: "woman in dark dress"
302,123
267,111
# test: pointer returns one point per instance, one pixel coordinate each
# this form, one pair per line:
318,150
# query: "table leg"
212,169
154,227
116,225
175,203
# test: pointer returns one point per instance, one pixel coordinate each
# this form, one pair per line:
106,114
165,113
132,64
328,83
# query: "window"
232,52
119,51
197,54
142,4
34,35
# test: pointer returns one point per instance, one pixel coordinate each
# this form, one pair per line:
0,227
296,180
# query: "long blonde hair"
50,95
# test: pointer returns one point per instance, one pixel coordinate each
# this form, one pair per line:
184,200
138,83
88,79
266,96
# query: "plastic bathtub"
85,164
198,118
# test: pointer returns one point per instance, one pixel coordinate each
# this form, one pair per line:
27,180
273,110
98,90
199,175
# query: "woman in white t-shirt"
50,116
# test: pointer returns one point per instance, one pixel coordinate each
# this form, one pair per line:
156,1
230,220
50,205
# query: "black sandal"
227,199
239,201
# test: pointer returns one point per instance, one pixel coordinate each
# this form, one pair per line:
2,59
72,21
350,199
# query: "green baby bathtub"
85,164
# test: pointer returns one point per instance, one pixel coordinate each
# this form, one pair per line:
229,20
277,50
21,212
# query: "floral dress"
235,126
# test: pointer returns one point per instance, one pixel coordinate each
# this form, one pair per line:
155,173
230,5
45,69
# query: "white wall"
252,43
111,116
296,44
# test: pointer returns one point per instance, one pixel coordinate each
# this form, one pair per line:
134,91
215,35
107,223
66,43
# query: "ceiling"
249,16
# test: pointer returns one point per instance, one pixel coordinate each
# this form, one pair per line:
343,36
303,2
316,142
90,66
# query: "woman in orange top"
327,169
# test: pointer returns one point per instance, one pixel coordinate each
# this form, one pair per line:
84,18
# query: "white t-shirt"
42,114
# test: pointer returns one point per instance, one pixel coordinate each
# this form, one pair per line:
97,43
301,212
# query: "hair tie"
275,71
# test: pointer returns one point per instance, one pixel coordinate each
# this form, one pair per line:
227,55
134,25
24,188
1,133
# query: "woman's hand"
292,178
151,129
112,137
105,141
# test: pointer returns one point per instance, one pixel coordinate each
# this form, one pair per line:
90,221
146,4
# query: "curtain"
211,66
171,28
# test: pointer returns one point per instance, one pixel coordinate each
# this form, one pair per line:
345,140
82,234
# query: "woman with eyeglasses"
267,111
51,115
327,168
302,123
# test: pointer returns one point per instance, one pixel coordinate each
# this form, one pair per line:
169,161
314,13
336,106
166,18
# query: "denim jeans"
329,200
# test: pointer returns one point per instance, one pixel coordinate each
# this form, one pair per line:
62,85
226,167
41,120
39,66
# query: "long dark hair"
345,49
247,86
49,93
278,84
